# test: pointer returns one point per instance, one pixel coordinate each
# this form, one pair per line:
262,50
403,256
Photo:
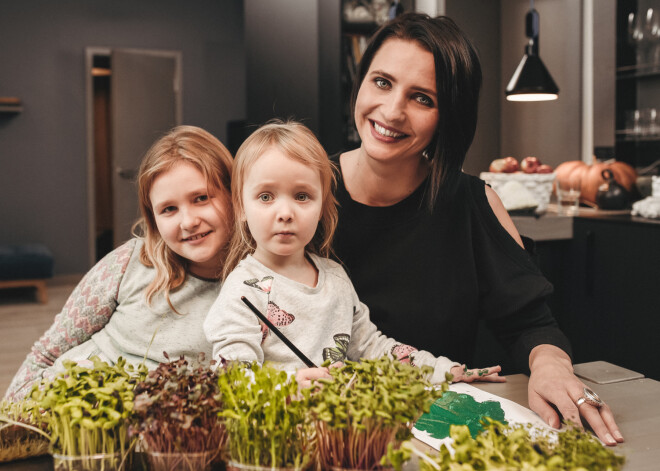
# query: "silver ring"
590,398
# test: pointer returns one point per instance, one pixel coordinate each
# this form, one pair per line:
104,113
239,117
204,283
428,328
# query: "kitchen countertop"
634,403
550,226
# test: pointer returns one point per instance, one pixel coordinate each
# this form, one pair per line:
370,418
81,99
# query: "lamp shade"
531,81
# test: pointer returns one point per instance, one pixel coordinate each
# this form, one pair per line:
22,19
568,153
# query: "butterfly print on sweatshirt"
279,318
403,353
264,285
339,352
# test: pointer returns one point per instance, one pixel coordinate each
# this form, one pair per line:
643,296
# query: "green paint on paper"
458,409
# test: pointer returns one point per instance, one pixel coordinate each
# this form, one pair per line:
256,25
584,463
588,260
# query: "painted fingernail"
610,439
618,436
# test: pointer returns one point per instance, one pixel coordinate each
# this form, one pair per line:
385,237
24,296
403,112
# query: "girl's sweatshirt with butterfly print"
325,322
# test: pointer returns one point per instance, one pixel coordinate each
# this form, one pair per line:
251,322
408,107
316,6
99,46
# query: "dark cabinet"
606,297
608,292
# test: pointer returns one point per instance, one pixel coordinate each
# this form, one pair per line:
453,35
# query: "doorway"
133,97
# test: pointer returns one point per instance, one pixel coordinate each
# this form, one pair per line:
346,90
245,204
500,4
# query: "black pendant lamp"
531,81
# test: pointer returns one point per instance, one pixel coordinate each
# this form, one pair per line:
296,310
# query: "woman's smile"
382,131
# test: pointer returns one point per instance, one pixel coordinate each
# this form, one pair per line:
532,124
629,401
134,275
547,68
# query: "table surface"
636,407
635,404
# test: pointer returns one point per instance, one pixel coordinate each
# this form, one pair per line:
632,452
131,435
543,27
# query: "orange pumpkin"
591,177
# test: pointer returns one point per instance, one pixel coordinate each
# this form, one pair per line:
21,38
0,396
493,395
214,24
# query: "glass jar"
180,461
97,462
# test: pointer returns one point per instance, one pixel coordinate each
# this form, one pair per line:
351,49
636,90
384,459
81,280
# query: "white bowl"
655,185
538,184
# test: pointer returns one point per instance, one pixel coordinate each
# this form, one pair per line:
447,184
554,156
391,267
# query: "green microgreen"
514,447
265,417
20,436
87,411
366,406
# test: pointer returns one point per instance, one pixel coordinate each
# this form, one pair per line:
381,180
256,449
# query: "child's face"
282,203
192,222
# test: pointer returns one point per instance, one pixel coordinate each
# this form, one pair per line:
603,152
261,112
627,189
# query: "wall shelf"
622,136
10,109
637,72
637,88
10,105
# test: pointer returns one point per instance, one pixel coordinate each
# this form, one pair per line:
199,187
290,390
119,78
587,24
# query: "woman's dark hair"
458,81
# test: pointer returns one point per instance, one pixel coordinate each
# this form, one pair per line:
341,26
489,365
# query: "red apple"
543,168
510,165
530,164
496,166
505,165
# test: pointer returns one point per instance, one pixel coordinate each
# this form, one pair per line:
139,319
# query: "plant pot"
199,461
236,466
98,462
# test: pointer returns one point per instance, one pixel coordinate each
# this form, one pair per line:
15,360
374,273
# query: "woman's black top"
429,277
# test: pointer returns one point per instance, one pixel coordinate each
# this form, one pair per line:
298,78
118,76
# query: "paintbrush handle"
277,332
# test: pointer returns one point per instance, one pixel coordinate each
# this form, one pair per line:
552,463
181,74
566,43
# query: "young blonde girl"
159,284
285,213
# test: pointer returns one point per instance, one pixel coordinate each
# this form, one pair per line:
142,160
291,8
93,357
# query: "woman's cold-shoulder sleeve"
512,289
88,309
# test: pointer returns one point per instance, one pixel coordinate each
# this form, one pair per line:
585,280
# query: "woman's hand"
552,382
491,375
305,376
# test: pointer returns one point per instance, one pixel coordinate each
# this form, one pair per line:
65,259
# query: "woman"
430,249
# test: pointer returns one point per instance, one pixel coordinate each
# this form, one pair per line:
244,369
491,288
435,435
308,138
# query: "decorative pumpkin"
591,176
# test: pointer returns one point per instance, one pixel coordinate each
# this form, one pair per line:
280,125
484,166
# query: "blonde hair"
297,142
201,149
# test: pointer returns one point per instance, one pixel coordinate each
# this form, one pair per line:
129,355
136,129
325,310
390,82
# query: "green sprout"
87,411
366,407
20,436
513,447
265,417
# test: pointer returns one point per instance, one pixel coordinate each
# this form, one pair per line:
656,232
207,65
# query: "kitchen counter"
603,267
551,226
633,402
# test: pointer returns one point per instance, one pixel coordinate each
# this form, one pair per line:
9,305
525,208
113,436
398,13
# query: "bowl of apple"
523,187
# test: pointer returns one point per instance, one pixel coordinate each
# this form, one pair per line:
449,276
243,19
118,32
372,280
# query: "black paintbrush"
276,331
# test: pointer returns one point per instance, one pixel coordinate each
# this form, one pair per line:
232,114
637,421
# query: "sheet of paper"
513,413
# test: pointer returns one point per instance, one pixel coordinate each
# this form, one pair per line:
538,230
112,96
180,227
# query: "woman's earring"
425,154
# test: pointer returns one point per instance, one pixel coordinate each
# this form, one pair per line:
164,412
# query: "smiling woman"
396,111
151,294
430,249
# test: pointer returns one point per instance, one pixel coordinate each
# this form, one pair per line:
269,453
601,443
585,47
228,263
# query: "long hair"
297,142
458,81
182,144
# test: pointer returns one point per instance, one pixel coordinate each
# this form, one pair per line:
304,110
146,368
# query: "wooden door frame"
90,52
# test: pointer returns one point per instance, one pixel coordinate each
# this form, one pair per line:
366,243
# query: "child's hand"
305,376
492,374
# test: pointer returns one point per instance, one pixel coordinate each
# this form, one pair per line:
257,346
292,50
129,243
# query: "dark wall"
480,19
43,160
282,37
